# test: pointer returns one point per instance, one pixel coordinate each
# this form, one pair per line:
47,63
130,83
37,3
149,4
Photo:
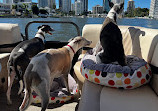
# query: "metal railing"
65,22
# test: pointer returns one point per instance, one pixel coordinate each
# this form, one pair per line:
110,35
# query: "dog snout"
52,29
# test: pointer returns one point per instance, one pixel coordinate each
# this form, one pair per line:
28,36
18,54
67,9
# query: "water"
64,32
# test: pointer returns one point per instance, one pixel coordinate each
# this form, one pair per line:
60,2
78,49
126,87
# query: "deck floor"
16,102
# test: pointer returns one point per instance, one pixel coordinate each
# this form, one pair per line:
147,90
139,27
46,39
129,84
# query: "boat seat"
10,34
138,41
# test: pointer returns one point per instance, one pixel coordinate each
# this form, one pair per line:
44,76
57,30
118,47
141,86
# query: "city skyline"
138,3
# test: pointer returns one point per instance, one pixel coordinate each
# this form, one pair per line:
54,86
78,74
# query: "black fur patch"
111,41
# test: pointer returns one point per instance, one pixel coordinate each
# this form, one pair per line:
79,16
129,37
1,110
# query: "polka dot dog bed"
58,94
132,76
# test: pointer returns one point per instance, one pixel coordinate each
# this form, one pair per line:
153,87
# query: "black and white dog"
21,55
110,47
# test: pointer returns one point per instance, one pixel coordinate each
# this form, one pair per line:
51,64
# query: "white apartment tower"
78,7
153,9
66,6
97,9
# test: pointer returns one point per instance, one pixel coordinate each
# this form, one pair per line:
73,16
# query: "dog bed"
136,73
58,93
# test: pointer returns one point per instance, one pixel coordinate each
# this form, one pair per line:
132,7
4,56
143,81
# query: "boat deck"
16,100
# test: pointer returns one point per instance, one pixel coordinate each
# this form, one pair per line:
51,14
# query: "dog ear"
70,39
111,4
39,27
121,5
77,40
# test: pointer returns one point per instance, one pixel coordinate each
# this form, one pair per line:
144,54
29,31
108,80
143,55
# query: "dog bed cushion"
58,93
136,73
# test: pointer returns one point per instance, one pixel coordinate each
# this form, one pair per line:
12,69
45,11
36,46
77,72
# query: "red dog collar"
71,48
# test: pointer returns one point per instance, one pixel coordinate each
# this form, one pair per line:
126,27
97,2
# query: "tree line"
137,12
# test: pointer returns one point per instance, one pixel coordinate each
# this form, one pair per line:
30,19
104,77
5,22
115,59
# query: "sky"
138,3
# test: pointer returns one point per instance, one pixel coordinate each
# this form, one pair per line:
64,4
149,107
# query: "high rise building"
60,4
15,1
130,6
85,5
117,1
153,9
66,6
79,7
72,7
6,1
106,6
27,0
43,3
97,9
11,1
51,4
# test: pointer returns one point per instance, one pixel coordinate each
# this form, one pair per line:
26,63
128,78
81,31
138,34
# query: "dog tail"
28,95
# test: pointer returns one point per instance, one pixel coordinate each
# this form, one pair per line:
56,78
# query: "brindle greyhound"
110,46
46,66
20,57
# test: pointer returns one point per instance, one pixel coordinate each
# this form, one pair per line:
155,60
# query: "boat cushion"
100,98
136,73
58,92
10,34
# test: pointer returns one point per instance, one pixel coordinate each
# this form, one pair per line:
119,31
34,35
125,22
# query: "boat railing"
63,22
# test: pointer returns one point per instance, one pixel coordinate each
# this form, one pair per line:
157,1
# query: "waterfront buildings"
106,7
97,9
117,1
26,0
66,6
130,6
6,1
79,9
51,4
43,3
5,8
60,4
85,5
153,9
72,7
15,1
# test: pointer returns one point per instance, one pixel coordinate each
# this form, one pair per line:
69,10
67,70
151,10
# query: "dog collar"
71,48
41,34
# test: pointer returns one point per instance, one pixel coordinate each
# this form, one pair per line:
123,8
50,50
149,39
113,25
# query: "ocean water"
64,32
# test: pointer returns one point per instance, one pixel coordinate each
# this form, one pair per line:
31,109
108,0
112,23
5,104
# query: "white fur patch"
21,87
40,36
21,50
111,14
